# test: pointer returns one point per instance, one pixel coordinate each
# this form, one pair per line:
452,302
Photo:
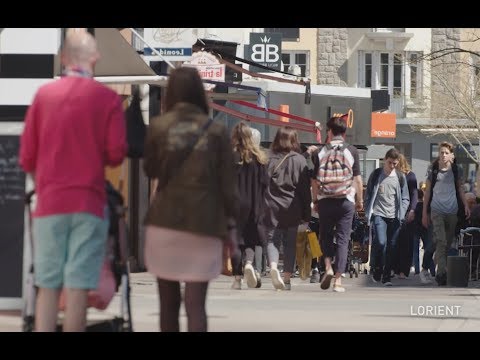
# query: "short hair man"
73,129
336,211
386,204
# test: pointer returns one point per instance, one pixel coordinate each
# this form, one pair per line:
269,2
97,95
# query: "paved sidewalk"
407,306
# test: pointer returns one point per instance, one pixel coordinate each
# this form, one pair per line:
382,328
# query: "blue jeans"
384,243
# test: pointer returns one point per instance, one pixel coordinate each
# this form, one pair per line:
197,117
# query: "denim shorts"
69,250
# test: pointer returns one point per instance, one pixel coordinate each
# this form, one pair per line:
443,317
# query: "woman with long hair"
403,256
252,179
288,201
188,219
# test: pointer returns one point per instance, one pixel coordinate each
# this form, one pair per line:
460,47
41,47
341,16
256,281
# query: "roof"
117,57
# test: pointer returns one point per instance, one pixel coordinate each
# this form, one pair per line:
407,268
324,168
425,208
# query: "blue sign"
169,51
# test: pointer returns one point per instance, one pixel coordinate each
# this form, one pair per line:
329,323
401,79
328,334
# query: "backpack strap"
376,175
340,146
280,163
401,179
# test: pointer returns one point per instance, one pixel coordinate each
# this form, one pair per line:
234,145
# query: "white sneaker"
249,275
277,279
237,284
425,277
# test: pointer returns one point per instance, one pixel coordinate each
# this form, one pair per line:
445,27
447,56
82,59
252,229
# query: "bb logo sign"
265,49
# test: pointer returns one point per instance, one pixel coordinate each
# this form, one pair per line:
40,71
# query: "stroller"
358,246
118,233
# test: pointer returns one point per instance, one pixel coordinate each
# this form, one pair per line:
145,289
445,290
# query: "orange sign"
285,109
384,125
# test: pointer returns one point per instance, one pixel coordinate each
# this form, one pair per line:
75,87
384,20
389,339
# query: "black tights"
170,300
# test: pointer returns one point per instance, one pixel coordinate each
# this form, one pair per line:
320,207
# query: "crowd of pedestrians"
216,190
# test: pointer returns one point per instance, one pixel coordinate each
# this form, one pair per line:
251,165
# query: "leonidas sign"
384,125
208,66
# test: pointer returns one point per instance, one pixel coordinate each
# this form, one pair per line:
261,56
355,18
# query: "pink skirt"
182,256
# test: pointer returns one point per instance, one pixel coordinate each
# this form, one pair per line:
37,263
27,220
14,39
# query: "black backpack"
136,128
116,210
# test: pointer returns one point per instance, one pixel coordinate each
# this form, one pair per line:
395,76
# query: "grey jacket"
403,197
288,196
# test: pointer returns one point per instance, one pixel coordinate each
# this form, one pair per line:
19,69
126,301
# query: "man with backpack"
386,204
445,203
337,190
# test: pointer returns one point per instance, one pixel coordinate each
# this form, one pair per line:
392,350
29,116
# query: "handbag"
315,248
303,255
136,128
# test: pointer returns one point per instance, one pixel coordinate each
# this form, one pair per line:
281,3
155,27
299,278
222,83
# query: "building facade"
391,59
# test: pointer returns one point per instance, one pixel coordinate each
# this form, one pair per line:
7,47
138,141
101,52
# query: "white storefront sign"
208,66
174,44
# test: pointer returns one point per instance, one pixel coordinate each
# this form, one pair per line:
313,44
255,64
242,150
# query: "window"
433,151
138,44
368,70
475,75
300,58
414,73
398,72
288,34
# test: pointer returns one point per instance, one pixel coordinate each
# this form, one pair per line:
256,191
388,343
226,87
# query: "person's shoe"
441,279
377,275
326,280
237,284
288,286
259,280
315,278
386,281
277,279
425,277
249,275
337,286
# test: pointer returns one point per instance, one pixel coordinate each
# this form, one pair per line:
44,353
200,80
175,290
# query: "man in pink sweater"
73,129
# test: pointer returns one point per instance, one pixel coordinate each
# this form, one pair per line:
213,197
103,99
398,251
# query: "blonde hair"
403,164
242,142
423,185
